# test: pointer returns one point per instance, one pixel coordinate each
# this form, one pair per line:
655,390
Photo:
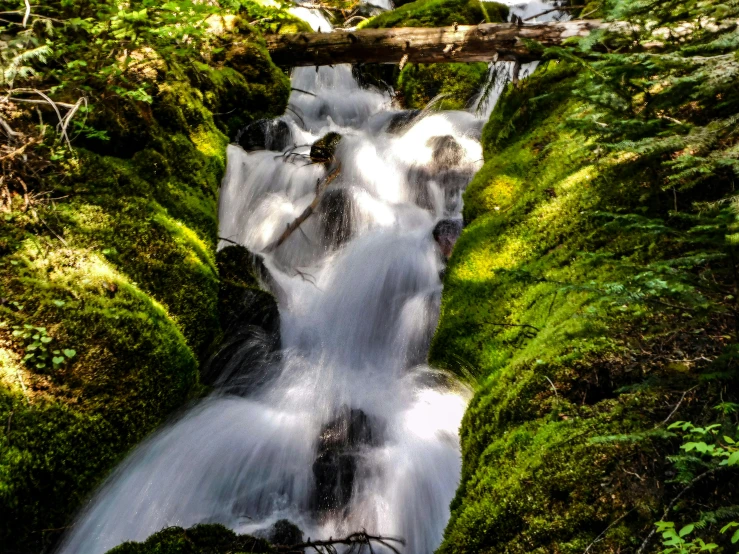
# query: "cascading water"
344,428
351,431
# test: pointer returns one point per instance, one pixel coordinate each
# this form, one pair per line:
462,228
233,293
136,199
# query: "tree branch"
360,539
320,187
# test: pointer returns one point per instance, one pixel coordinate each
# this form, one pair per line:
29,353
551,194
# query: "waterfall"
350,429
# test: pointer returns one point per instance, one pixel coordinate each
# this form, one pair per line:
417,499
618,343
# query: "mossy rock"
200,539
324,148
563,444
457,84
439,13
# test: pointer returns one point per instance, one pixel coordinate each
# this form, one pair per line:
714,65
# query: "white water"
356,320
355,327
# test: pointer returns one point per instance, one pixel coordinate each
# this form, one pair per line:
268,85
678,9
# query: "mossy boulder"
455,84
324,148
439,13
200,539
564,443
120,272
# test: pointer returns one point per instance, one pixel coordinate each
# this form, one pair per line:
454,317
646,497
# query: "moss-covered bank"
565,305
109,287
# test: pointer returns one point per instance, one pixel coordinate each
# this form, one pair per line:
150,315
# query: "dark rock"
335,215
323,150
400,121
265,134
446,232
447,152
250,320
285,532
337,458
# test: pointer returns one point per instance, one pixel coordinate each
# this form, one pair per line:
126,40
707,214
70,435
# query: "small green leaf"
733,459
735,537
729,440
59,303
58,360
69,353
40,366
34,345
46,340
687,530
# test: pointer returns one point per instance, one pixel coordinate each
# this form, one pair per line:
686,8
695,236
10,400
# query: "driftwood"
298,221
356,543
459,43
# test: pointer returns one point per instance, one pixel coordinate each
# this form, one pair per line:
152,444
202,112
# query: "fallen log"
459,43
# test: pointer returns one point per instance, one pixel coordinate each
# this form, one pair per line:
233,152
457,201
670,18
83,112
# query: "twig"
598,538
559,9
361,538
700,477
229,240
8,130
320,187
556,394
19,150
303,91
28,13
672,413
32,101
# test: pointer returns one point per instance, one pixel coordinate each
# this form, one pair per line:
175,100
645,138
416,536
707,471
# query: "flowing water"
345,427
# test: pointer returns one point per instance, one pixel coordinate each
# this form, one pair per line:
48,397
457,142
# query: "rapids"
352,430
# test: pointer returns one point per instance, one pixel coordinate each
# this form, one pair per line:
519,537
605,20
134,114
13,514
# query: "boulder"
335,215
400,121
323,150
447,152
265,134
250,319
337,458
445,233
285,532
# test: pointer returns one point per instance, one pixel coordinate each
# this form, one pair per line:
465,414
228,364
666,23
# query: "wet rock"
335,215
447,152
323,150
337,458
250,319
400,121
446,232
265,134
285,532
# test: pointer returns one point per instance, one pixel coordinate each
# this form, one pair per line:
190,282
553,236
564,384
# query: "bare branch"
320,187
360,539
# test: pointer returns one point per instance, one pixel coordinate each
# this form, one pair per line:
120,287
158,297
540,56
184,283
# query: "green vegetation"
591,297
200,539
455,84
439,13
108,278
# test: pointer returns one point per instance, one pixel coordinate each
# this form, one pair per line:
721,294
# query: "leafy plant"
39,351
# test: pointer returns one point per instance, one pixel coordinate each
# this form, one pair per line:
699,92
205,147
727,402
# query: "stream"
345,427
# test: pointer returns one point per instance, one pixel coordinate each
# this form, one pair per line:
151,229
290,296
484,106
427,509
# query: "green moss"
439,13
121,269
200,539
457,84
530,317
